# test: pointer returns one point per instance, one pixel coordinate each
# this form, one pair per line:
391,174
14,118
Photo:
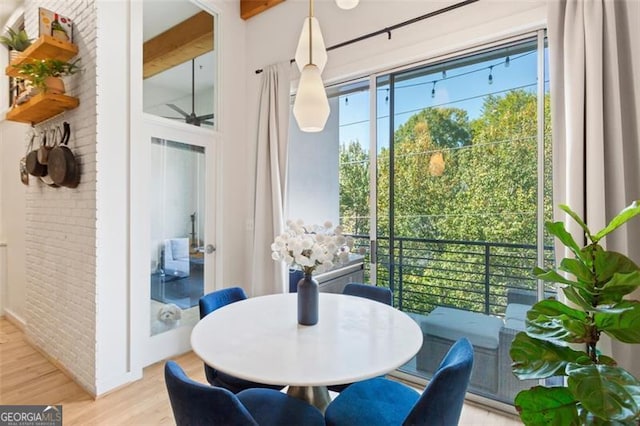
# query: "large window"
450,195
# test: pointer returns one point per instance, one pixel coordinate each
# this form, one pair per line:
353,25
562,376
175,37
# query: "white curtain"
268,276
596,144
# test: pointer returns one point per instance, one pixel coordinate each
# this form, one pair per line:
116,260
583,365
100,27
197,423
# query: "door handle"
210,248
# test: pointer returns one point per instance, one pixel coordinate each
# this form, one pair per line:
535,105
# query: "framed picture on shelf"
55,25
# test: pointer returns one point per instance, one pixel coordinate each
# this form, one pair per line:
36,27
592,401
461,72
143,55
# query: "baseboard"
58,365
15,319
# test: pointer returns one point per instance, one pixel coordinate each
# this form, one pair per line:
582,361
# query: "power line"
498,92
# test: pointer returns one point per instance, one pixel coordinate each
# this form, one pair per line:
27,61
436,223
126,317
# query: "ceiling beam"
188,39
249,8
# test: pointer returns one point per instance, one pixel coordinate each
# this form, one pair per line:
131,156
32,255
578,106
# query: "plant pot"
14,55
54,85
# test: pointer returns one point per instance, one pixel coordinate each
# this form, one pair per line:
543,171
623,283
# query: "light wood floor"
26,377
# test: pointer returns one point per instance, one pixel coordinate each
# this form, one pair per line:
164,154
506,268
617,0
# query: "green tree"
354,188
462,180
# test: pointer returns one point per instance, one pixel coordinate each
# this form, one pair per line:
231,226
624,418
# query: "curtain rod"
387,30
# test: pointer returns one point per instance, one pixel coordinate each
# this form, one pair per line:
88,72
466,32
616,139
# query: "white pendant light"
311,107
318,50
347,4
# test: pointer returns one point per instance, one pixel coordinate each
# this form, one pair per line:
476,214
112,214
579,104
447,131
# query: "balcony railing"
469,275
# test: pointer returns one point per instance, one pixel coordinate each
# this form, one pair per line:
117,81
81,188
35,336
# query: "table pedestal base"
318,396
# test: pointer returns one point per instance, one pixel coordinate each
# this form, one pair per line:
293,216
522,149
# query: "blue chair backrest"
194,403
219,298
380,294
441,402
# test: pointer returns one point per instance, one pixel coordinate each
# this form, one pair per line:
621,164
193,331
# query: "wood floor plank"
26,377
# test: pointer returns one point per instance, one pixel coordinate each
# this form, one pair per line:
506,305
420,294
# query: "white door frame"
161,346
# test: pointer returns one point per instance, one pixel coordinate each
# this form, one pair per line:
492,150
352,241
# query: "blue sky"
463,86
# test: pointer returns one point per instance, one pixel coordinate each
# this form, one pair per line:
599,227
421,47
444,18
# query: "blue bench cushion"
515,315
452,324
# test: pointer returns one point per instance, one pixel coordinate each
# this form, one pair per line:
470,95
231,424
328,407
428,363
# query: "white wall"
312,182
234,162
113,366
61,222
12,218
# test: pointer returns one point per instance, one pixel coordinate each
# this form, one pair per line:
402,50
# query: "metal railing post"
487,254
400,278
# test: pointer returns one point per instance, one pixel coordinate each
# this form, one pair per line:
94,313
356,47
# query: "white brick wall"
61,222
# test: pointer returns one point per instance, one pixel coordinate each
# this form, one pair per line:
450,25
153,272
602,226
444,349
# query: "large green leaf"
583,299
607,263
630,211
577,218
539,359
610,393
558,229
550,307
618,286
607,360
560,328
540,406
579,269
553,320
624,326
554,277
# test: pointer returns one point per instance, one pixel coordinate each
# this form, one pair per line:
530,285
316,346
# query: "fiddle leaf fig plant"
597,390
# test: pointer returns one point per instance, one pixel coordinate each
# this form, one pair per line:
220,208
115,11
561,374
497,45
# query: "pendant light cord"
387,30
310,32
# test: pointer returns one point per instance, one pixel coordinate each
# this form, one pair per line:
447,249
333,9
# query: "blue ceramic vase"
308,295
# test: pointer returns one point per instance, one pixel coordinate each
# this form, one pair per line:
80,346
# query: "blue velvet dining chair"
379,294
195,404
381,401
209,303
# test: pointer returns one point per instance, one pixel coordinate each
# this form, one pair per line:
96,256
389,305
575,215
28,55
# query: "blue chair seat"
196,404
269,407
372,402
384,402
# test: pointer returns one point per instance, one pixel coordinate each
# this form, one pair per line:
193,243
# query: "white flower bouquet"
312,247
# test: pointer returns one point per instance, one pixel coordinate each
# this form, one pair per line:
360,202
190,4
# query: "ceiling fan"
192,118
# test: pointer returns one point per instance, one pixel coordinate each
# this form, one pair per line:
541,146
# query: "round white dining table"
259,339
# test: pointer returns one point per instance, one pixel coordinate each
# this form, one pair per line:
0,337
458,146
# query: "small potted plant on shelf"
45,74
16,41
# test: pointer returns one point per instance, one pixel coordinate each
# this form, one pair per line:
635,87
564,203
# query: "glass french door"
180,246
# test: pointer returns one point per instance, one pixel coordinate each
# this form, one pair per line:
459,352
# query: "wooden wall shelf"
42,107
45,47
